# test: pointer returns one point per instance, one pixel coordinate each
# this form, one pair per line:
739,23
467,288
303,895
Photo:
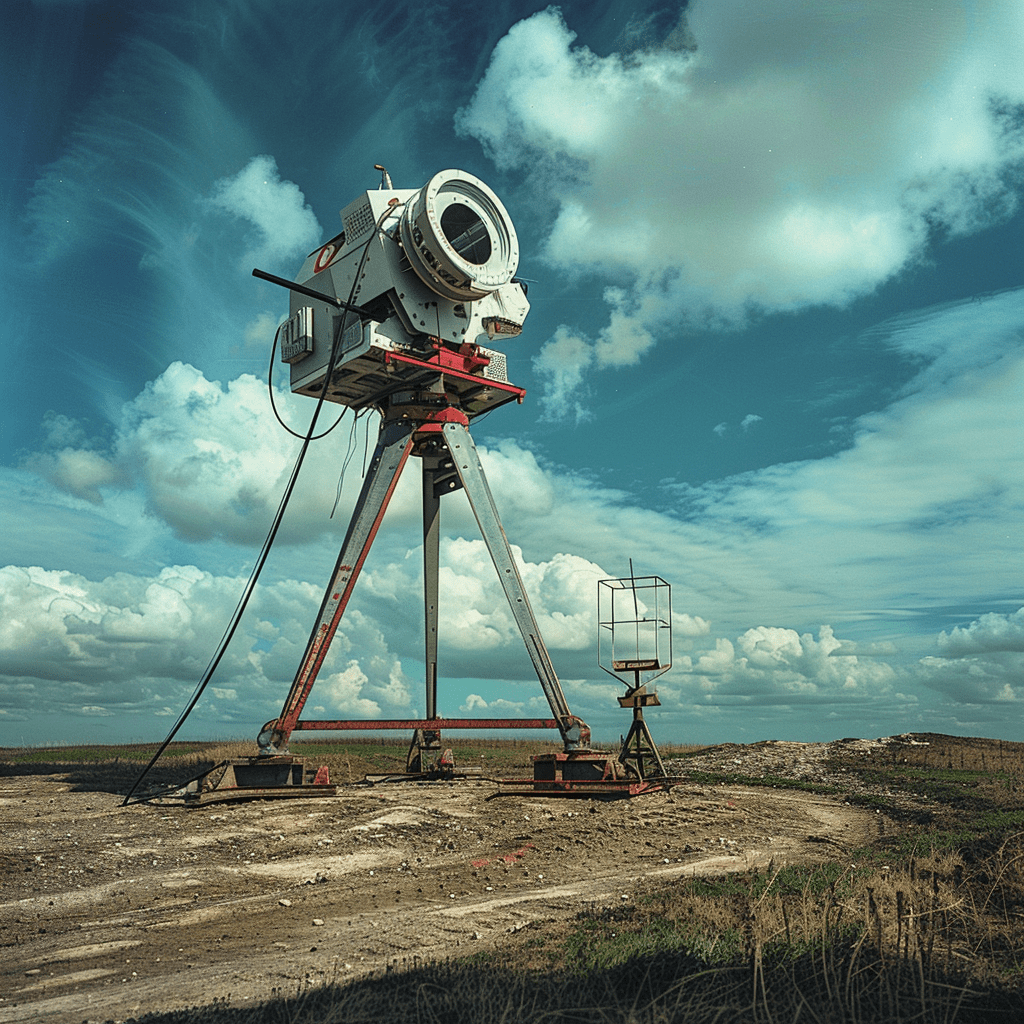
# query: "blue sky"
775,355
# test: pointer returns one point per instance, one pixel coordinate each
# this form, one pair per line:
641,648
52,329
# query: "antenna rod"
311,292
636,613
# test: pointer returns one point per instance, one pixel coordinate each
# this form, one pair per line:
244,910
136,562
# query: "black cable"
177,787
236,617
481,416
349,453
254,576
366,446
273,404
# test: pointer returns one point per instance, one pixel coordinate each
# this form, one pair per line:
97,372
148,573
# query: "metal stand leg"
393,448
470,471
431,555
437,471
639,747
643,747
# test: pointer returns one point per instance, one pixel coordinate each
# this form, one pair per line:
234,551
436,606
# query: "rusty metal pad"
258,778
606,789
214,796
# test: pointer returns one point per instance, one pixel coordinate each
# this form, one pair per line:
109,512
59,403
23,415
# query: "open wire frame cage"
634,628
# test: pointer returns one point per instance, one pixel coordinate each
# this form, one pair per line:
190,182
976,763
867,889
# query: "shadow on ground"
115,776
849,983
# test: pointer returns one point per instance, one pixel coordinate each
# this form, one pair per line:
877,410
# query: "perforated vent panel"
497,369
358,223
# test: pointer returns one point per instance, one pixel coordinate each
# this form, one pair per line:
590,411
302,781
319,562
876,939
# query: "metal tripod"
638,747
441,439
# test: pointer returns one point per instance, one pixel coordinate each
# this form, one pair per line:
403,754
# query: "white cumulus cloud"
209,459
285,227
982,662
991,632
788,155
773,664
132,644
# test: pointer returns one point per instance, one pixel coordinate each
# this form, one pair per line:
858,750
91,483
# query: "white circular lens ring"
432,255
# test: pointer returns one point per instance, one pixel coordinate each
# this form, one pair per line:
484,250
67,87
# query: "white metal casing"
386,273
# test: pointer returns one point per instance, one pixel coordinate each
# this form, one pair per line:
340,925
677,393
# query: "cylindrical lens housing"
459,238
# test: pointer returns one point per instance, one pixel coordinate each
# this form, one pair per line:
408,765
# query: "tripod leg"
467,464
655,751
393,447
644,748
431,554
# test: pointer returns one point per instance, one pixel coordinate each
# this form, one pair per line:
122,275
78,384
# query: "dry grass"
896,946
937,937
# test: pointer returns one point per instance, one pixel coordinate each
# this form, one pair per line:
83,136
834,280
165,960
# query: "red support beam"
369,724
452,365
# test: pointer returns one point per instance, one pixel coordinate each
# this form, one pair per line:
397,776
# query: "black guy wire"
243,601
349,453
273,404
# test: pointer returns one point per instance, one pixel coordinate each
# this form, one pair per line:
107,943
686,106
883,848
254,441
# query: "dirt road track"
109,912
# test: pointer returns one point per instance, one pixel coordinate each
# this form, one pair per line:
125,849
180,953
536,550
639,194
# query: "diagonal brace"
394,445
467,464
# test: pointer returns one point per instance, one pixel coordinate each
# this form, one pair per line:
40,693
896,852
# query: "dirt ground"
109,912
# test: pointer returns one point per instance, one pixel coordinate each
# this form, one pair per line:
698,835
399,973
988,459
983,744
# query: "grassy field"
926,925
